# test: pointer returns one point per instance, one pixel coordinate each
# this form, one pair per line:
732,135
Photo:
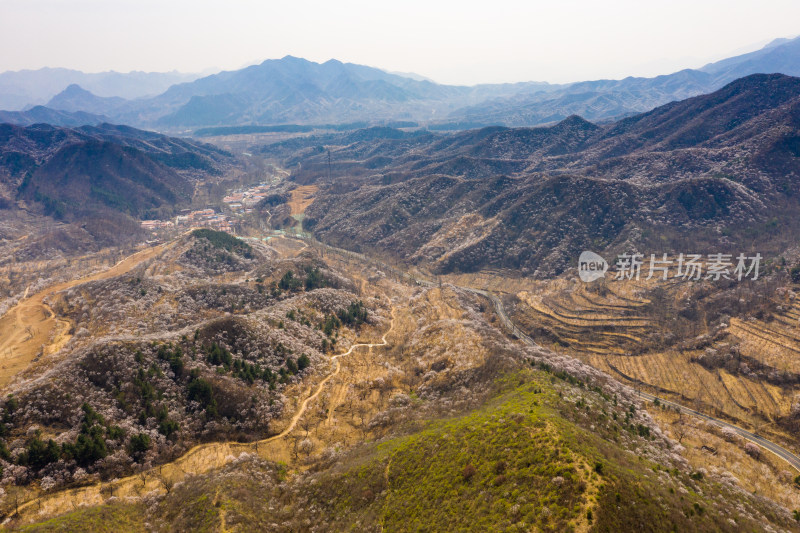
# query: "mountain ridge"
293,90
508,198
106,174
25,88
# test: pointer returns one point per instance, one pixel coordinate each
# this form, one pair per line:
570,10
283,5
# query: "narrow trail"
321,385
26,329
197,460
781,452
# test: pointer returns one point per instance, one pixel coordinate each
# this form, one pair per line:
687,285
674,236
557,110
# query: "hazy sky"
451,42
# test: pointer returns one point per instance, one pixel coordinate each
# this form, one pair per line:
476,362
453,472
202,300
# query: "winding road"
768,445
781,452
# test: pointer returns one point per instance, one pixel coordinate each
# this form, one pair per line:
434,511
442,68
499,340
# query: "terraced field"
775,343
631,330
675,374
570,316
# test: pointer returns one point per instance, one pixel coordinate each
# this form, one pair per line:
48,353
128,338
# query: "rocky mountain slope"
103,172
724,165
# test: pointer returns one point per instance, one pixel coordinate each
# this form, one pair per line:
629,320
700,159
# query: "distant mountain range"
288,90
609,99
718,171
25,88
296,91
41,114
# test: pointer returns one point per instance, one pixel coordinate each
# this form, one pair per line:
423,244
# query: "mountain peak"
75,98
74,89
779,41
576,121
294,59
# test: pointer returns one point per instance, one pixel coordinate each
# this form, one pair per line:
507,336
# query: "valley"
328,297
354,395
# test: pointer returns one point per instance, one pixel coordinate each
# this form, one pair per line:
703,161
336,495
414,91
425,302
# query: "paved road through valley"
781,452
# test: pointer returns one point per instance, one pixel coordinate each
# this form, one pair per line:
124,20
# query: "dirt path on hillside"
31,329
321,385
198,460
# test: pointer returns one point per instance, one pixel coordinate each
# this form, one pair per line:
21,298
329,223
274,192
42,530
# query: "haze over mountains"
46,115
456,374
297,91
289,90
607,99
25,88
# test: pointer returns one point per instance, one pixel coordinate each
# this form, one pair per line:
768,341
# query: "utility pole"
330,179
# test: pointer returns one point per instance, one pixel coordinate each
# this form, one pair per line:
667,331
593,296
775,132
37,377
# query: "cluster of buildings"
243,201
239,202
155,225
204,218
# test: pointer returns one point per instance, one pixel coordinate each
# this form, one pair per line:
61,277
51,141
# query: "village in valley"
237,204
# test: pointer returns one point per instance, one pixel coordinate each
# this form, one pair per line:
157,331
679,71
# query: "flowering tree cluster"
168,356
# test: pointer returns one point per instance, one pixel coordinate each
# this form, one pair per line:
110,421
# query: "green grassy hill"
546,452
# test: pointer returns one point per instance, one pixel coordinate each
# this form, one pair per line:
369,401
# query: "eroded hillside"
715,171
438,418
198,343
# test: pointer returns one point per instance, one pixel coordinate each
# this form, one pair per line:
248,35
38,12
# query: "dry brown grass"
776,344
302,197
706,448
674,373
675,376
31,329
